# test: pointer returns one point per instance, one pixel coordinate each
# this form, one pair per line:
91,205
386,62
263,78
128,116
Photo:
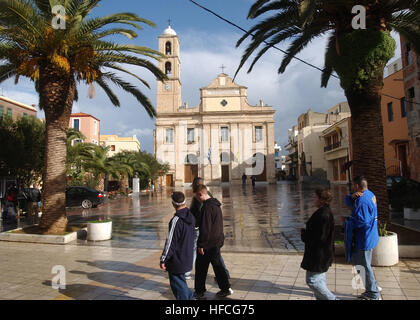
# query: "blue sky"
206,44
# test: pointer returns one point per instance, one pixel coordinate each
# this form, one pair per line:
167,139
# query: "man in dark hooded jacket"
209,242
177,256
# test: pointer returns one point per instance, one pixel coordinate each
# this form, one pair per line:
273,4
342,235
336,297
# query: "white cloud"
202,54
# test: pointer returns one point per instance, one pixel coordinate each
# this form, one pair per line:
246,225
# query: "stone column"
271,166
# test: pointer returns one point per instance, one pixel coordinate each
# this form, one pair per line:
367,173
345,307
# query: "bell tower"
169,92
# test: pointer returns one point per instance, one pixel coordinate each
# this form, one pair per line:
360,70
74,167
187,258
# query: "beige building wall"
216,140
15,109
118,144
337,150
311,144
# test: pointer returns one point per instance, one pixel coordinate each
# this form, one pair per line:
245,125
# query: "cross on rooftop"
223,68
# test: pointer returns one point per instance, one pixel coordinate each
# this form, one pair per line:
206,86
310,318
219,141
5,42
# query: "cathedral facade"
219,140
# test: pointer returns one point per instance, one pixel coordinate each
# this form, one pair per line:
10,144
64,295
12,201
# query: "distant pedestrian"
11,201
361,230
210,241
177,256
244,179
319,245
33,197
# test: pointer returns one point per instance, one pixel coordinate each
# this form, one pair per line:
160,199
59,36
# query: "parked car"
84,197
391,180
400,189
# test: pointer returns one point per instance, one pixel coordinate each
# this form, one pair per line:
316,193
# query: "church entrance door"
169,180
191,172
225,173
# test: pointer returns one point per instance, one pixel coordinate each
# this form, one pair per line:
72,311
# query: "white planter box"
100,231
386,252
411,214
36,238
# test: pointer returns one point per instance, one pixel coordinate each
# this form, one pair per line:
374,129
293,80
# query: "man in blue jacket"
177,256
362,231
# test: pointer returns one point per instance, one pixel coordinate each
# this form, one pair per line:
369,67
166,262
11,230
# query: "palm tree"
57,60
95,161
357,56
129,166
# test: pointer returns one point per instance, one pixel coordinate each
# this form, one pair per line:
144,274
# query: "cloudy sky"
206,43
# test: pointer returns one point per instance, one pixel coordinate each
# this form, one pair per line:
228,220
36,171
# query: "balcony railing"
332,146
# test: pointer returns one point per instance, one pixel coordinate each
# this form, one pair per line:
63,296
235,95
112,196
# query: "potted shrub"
386,252
99,230
412,206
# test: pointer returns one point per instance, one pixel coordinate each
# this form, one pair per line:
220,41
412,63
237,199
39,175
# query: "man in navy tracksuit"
361,228
177,256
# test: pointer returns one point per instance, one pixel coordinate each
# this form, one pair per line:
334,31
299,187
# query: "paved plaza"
109,273
263,253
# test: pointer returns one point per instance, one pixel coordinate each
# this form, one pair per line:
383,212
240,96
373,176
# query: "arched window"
168,69
191,159
225,158
168,48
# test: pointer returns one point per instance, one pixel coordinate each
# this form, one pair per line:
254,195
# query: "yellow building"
220,139
118,144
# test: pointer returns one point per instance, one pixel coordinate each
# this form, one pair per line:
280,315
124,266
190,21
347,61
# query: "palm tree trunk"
56,93
361,75
101,182
368,144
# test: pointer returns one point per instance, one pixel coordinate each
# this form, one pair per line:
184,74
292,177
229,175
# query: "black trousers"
202,267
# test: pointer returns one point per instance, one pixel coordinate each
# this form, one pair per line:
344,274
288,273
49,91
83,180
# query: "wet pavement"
266,219
262,252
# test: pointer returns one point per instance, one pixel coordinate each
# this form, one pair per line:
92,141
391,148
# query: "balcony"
332,146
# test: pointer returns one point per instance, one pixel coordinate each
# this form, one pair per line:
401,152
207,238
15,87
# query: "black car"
400,190
411,184
84,197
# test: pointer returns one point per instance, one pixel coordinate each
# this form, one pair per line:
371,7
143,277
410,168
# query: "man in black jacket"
210,241
177,256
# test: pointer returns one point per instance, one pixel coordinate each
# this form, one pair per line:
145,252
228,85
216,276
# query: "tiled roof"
81,115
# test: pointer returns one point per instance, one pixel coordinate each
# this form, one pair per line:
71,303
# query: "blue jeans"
318,283
364,258
179,287
196,234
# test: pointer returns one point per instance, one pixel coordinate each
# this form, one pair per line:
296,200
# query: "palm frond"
116,67
300,43
286,5
307,11
7,71
111,95
255,7
132,60
144,101
328,68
